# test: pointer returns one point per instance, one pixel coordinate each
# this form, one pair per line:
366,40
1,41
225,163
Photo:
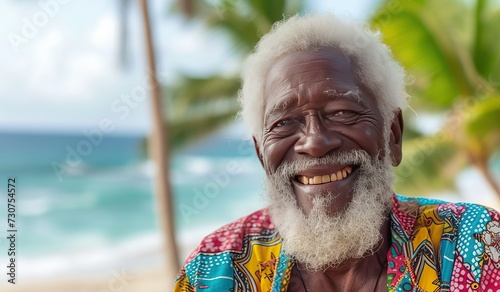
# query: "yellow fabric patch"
259,264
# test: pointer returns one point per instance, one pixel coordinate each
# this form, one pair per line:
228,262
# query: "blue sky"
60,68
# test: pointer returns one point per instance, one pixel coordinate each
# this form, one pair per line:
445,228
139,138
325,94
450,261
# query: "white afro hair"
375,67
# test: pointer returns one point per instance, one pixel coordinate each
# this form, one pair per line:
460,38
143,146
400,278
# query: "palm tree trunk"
483,168
481,162
187,7
159,150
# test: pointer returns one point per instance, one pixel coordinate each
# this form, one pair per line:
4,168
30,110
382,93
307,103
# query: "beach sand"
151,281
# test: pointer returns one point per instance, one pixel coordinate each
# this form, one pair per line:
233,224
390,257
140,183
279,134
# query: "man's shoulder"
408,210
403,202
231,237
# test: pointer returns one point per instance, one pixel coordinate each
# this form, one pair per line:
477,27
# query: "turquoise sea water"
74,213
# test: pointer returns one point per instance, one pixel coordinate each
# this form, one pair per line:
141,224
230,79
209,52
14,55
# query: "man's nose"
316,139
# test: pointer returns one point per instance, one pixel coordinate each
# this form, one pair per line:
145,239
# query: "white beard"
320,240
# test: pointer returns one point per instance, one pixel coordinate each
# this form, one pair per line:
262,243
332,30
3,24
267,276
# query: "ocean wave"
41,200
139,251
189,167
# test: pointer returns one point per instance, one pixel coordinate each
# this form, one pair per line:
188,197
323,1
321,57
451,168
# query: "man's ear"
257,150
396,138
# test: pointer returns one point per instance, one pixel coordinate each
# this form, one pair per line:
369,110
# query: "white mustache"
288,170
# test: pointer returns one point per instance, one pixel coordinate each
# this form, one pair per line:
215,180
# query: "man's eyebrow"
351,94
279,108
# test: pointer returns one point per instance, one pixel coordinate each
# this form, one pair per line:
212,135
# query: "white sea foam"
196,165
37,201
138,252
35,206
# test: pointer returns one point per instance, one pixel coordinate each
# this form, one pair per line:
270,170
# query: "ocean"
86,206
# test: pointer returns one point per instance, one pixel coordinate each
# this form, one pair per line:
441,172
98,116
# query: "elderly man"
323,101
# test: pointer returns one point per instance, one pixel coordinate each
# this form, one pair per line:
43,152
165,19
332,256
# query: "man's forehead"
294,69
290,101
317,58
322,71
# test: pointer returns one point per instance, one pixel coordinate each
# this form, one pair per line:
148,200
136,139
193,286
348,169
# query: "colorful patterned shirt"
436,246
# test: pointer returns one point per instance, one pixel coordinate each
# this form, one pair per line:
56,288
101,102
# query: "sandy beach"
151,281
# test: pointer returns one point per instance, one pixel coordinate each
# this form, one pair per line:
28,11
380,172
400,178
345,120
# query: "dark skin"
314,106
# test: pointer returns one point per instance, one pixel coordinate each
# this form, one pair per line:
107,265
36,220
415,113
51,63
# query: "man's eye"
283,123
343,113
342,116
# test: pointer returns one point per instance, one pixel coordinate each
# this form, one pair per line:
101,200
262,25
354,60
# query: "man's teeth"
321,179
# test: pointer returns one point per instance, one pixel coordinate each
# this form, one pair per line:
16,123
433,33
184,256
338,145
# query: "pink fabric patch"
461,278
230,237
405,213
458,210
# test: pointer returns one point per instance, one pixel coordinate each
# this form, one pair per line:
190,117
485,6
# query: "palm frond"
429,164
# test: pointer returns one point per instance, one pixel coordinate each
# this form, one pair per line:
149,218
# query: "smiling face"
313,107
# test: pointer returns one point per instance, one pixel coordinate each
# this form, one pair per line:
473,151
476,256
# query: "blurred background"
75,118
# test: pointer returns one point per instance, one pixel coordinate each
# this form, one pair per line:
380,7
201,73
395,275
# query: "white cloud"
63,78
104,35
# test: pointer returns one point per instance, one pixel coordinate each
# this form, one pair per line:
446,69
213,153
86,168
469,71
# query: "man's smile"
325,178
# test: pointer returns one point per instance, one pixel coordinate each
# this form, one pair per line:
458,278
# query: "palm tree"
451,49
160,151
